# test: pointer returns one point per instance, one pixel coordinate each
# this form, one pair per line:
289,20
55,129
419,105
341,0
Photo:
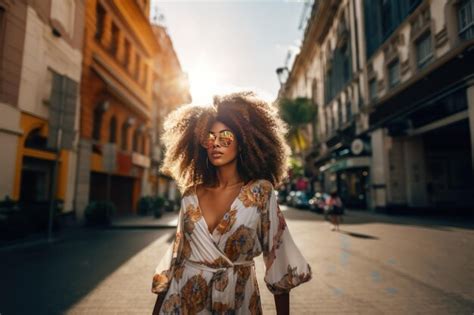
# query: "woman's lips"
216,155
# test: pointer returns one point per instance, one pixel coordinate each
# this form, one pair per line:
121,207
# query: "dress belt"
217,273
210,269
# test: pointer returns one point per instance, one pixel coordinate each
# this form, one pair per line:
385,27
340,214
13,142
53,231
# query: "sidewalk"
69,229
167,221
464,222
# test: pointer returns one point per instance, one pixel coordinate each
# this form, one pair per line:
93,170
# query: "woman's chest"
237,220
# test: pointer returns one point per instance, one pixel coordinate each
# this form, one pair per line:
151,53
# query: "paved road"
375,265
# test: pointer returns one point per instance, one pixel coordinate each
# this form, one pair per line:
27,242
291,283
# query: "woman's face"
222,145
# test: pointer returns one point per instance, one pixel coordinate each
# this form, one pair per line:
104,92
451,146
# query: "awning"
346,163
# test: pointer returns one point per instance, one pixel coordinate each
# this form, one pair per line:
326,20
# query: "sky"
227,46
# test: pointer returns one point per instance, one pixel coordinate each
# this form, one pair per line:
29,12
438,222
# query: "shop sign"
357,146
140,160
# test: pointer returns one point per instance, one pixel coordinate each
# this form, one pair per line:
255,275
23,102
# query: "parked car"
290,198
318,202
301,200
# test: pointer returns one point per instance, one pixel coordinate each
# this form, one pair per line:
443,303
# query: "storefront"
350,177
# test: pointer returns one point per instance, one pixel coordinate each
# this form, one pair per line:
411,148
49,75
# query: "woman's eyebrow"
220,130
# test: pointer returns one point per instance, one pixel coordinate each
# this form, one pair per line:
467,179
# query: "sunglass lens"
226,138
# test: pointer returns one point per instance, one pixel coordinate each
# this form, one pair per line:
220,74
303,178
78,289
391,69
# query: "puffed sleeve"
285,266
165,269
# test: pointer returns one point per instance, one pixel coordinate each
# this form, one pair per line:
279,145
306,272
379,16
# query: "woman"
335,206
227,160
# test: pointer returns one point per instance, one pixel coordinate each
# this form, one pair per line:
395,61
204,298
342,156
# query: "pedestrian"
227,159
335,209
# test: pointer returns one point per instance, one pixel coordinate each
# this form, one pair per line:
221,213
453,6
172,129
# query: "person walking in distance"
335,210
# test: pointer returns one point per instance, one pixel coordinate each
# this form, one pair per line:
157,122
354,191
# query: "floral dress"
214,273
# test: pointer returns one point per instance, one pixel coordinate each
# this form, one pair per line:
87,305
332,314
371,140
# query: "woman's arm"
282,303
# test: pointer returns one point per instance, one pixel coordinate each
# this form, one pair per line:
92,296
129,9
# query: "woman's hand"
282,303
159,301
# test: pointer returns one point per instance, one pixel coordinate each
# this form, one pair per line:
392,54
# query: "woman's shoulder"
261,183
188,191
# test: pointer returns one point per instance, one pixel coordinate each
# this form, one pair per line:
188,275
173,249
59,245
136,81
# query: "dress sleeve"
165,269
285,266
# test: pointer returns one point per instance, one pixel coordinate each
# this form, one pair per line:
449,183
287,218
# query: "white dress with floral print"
204,273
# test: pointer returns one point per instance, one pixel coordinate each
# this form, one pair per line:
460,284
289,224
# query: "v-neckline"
225,213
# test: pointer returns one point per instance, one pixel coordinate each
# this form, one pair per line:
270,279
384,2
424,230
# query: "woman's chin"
220,162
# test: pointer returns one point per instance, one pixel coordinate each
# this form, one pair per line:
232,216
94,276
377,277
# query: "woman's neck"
228,175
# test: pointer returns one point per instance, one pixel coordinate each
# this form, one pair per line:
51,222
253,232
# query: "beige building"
40,68
171,89
394,92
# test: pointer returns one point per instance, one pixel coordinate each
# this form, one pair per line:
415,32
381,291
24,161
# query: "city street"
376,264
112,111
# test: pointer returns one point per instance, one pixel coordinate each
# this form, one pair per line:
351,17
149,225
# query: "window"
2,26
145,75
348,111
143,145
136,139
35,140
373,89
328,120
113,130
389,22
97,123
393,73
339,72
466,19
126,57
339,112
412,4
423,50
382,18
99,21
114,39
124,136
137,66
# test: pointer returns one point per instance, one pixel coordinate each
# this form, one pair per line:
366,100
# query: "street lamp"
281,74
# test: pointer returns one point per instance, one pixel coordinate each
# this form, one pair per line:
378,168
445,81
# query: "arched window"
35,140
136,136
98,115
113,130
143,144
124,135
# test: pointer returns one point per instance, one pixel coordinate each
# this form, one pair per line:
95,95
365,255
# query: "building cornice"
141,29
317,27
118,87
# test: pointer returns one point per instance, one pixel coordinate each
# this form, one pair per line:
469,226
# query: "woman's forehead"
218,127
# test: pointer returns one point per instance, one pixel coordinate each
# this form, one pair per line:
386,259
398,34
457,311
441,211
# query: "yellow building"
117,104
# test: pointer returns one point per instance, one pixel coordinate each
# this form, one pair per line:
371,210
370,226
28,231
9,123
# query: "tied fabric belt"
222,284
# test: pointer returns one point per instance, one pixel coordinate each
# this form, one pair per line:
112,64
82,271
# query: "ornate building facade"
394,92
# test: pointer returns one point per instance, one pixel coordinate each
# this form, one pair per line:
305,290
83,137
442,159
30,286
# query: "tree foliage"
297,113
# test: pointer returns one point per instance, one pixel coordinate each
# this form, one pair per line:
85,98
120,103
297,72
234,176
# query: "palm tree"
297,113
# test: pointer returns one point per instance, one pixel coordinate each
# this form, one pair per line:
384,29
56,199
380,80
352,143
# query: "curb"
131,227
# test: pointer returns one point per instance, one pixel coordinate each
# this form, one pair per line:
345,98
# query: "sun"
204,84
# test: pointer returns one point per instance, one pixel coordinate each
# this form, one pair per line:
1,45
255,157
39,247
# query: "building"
170,89
118,93
40,69
393,87
420,99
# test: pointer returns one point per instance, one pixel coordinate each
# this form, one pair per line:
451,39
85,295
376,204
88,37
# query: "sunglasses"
225,139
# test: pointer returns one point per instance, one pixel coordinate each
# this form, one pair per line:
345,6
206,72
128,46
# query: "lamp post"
282,74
